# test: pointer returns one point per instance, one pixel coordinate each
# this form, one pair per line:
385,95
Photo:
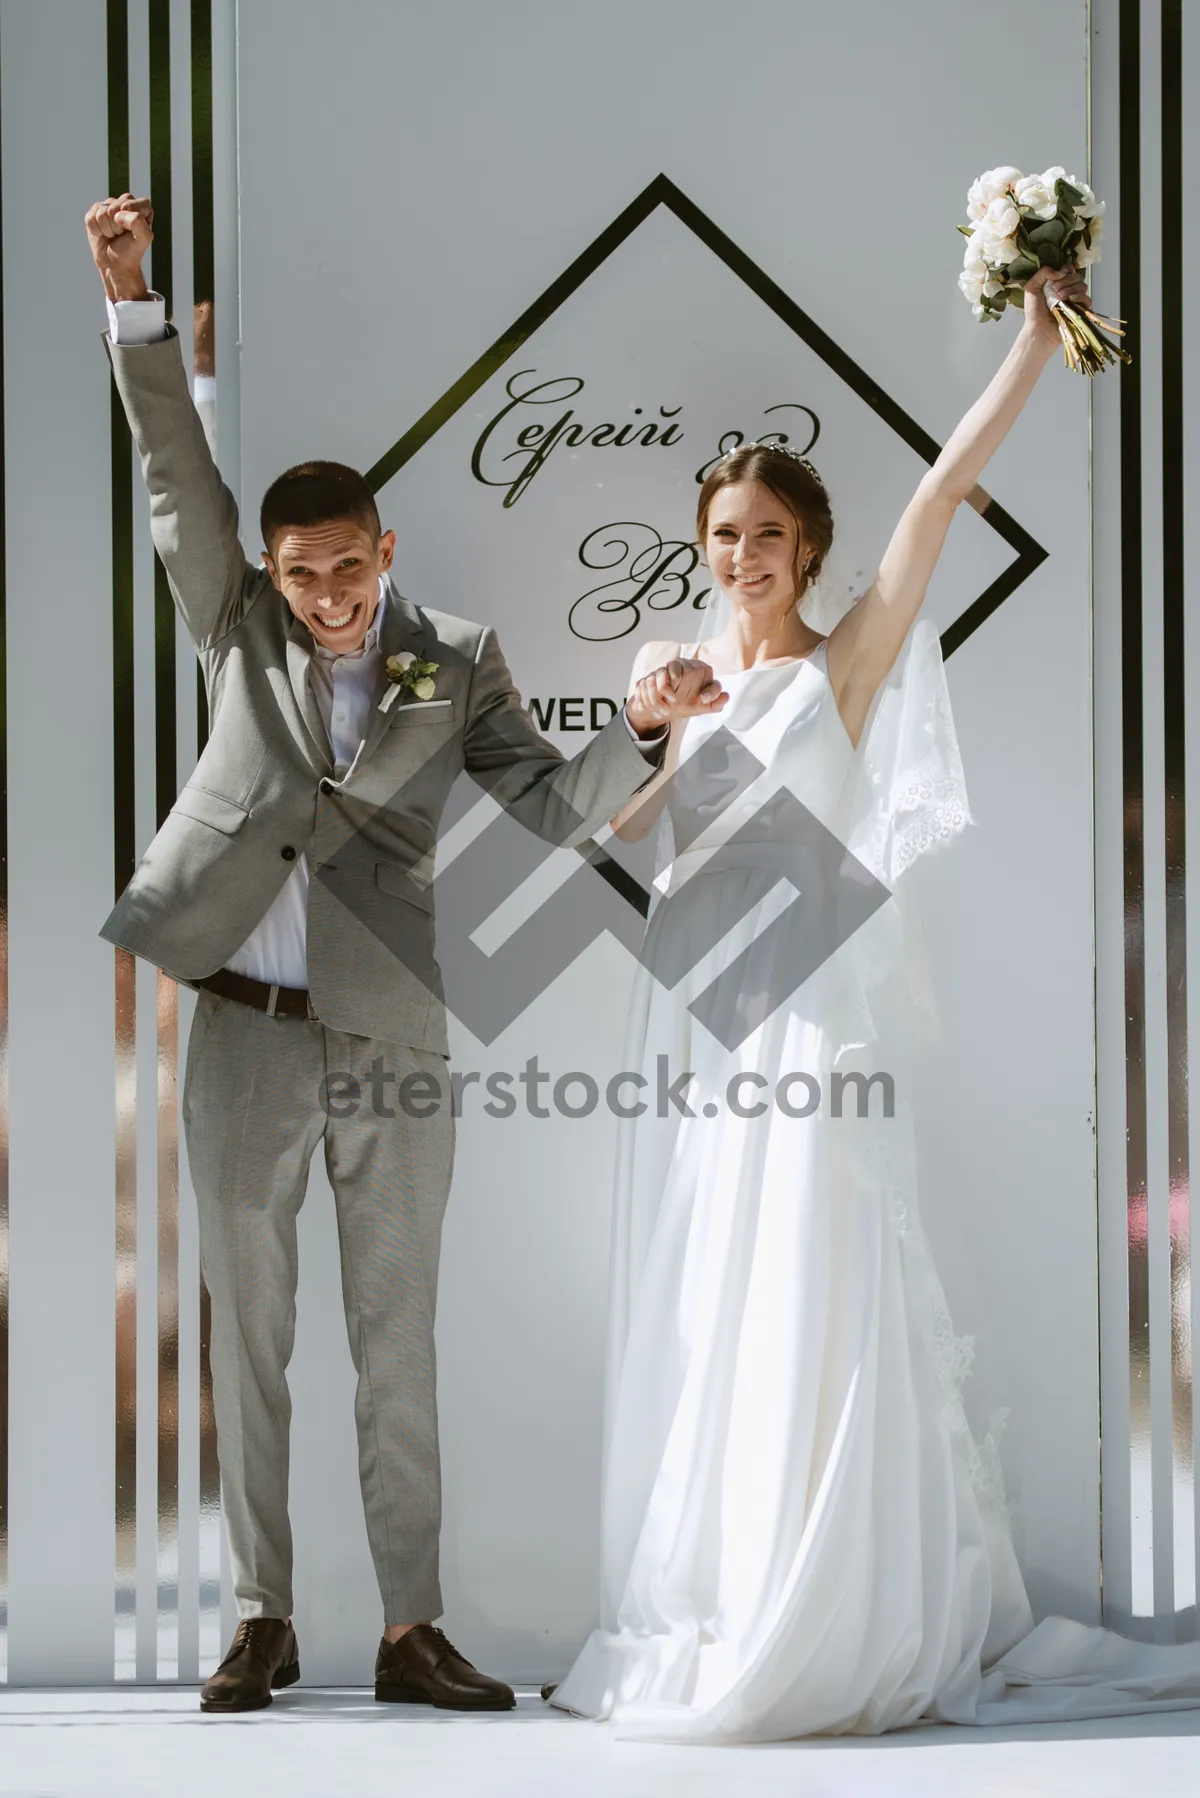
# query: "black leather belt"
276,1001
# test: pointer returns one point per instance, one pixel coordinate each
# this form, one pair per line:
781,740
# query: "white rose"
1032,192
1001,251
974,259
971,285
1085,254
1089,206
990,186
1001,218
977,205
403,660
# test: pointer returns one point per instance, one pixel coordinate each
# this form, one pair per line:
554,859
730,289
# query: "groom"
314,747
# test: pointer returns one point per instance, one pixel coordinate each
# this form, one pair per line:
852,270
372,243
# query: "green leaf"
1048,231
1023,267
965,229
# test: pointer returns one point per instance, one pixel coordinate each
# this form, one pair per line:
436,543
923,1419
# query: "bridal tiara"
780,449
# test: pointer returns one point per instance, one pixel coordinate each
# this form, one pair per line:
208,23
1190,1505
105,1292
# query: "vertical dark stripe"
160,144
124,827
203,235
204,292
1130,175
125,834
4,1238
166,783
1174,730
203,259
167,1023
124,840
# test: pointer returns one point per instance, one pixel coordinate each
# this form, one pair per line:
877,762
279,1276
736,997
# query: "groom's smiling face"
329,575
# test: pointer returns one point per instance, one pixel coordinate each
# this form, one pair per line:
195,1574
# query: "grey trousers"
259,1094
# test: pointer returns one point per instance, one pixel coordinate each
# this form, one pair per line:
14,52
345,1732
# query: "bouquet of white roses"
1021,223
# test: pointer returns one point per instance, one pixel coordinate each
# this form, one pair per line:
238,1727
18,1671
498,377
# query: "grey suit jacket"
264,790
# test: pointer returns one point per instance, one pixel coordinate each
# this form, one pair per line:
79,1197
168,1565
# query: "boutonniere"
408,672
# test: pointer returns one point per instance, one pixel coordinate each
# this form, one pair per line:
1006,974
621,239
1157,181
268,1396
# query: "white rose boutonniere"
408,672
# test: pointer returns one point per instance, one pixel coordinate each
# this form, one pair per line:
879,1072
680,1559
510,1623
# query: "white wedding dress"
800,1534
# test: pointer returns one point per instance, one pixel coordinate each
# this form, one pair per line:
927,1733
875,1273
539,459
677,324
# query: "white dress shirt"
343,686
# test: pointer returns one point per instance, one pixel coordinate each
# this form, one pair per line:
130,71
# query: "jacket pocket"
401,883
424,711
212,809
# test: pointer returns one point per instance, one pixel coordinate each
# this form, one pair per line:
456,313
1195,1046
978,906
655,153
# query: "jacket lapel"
404,627
299,654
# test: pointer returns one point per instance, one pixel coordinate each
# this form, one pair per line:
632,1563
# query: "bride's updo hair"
794,481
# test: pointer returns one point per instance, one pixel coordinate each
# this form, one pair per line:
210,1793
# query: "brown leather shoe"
262,1658
424,1668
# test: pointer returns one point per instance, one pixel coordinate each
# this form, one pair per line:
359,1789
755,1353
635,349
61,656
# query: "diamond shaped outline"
662,191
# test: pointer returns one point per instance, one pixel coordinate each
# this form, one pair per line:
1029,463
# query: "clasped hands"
683,688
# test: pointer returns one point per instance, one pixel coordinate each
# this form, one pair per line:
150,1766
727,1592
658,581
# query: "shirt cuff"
137,321
646,742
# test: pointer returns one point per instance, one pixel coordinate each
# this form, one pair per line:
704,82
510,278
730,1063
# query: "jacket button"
327,786
288,853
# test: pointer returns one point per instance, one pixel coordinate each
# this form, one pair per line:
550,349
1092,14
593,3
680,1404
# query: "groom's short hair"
314,493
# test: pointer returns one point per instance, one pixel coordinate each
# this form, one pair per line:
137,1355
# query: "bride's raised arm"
866,642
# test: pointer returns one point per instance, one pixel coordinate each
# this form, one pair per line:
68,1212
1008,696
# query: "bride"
800,1534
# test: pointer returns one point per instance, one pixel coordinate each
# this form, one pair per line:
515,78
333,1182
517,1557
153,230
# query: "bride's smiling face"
752,543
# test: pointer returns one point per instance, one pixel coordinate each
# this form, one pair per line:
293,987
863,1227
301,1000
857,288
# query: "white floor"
155,1744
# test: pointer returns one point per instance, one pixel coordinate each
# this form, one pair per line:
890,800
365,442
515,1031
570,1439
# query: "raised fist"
119,235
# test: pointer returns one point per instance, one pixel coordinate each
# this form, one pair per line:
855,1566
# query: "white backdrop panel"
411,180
